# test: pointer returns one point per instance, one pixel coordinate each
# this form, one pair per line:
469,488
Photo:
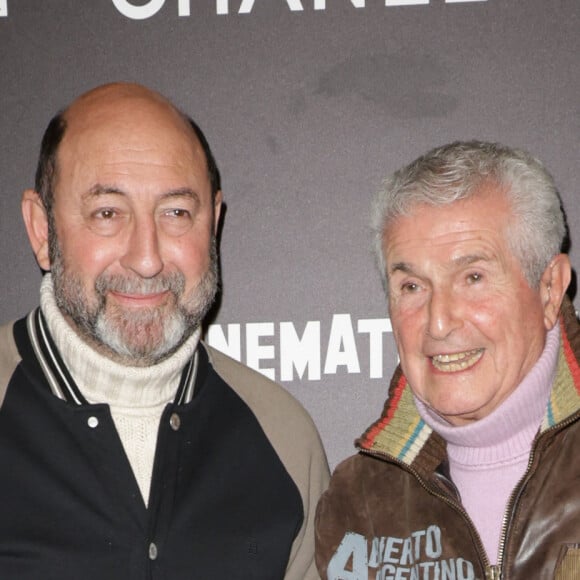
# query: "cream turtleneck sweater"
136,396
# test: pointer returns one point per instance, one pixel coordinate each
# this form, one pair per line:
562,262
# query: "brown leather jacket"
391,512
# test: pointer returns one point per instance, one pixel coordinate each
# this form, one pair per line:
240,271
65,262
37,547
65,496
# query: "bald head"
124,107
107,109
119,93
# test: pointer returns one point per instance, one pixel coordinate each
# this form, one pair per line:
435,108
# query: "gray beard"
138,338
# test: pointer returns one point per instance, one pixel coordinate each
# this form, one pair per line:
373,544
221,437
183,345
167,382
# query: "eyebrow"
469,259
460,262
102,189
181,192
404,267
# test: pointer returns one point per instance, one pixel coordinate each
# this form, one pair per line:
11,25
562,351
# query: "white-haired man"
471,471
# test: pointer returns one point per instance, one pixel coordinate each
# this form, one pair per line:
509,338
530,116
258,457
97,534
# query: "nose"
142,253
444,314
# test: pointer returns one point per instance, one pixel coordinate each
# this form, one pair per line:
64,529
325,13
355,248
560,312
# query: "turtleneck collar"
513,425
102,380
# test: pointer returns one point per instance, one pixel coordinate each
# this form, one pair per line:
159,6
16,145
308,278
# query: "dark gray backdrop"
308,105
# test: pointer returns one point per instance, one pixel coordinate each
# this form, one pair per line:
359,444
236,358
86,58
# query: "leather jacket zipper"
514,496
508,515
493,573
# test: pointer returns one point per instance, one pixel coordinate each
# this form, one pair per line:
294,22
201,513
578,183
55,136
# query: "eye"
178,213
106,213
106,221
474,278
409,287
175,221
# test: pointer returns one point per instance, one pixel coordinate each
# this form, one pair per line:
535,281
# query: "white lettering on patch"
416,557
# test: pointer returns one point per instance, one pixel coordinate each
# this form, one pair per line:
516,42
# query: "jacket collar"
59,378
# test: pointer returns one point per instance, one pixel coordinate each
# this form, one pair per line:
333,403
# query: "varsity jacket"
238,470
392,512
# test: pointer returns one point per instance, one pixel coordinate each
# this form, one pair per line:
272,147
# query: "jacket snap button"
153,551
175,421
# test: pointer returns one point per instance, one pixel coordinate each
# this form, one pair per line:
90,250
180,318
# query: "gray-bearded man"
130,449
472,470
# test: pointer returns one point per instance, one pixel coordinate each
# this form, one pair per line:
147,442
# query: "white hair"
457,171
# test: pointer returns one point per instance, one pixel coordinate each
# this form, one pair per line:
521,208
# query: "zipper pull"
493,573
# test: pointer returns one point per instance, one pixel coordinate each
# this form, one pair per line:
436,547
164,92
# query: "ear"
36,222
217,207
553,286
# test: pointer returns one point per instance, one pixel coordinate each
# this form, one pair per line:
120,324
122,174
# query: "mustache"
173,282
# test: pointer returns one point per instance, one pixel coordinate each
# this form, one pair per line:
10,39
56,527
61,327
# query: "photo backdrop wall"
308,105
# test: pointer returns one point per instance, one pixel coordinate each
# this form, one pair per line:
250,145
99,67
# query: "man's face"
467,326
132,242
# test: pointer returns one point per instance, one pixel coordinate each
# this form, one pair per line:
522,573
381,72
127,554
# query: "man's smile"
457,361
140,299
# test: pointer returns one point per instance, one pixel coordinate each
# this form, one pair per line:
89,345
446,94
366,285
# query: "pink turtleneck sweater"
489,457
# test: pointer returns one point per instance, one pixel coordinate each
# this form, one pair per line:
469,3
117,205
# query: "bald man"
131,449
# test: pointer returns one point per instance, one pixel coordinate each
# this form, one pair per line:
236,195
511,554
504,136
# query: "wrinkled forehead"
128,127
